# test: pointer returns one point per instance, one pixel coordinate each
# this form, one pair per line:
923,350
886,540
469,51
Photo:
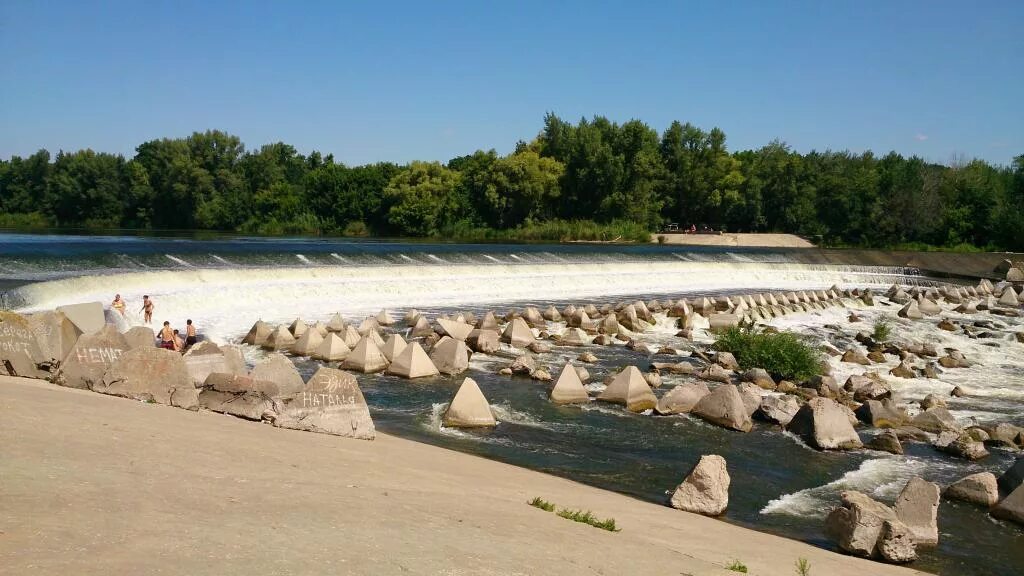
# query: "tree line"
614,175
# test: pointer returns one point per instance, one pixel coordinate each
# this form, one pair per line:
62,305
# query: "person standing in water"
118,304
190,334
167,337
147,310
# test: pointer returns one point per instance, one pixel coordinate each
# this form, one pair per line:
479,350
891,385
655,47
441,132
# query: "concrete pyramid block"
1008,297
377,338
518,334
351,337
368,325
298,327
451,356
87,317
330,403
488,322
412,362
280,339
332,349
336,323
393,347
551,313
468,408
630,389
568,389
457,330
384,319
308,343
277,368
320,328
411,316
575,337
366,357
258,334
421,328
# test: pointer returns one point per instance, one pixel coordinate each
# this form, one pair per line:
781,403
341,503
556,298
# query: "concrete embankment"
94,484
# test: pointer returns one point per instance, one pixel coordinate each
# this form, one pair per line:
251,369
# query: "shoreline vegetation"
595,180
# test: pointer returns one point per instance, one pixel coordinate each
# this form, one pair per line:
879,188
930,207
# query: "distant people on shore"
119,305
147,310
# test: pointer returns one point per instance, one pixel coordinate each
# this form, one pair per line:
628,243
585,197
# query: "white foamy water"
225,302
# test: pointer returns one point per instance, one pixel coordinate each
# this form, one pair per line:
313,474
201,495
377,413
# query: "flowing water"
778,484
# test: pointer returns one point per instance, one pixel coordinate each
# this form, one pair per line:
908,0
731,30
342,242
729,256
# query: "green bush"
30,220
803,567
737,566
543,504
783,354
356,228
881,331
552,231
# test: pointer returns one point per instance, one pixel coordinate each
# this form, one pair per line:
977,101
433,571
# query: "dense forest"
592,179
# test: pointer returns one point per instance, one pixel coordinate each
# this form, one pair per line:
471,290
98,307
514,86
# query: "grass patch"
588,518
543,504
784,355
552,231
881,330
737,566
803,567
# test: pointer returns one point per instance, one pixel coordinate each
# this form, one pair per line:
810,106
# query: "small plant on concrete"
588,518
803,567
881,331
737,566
543,504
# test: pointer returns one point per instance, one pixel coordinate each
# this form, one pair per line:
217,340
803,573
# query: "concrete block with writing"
20,353
55,332
330,403
90,357
151,375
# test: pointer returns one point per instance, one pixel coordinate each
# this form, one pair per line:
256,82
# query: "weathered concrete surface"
200,484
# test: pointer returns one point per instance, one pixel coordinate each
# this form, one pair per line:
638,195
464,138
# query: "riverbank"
734,239
94,484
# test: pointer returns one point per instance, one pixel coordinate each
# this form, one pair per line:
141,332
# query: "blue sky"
399,81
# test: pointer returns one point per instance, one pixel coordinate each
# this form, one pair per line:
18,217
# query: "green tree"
424,198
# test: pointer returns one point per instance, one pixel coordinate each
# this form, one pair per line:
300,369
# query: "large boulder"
140,336
760,377
87,317
330,403
1013,477
721,322
705,490
55,333
682,398
91,356
239,396
469,408
20,352
910,311
716,373
724,407
1012,507
366,357
152,375
451,356
574,337
332,349
980,488
778,409
887,441
918,507
277,368
860,525
936,420
457,330
206,358
880,414
568,389
631,390
824,425
1008,298
483,341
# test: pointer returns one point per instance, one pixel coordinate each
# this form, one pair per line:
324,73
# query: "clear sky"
430,80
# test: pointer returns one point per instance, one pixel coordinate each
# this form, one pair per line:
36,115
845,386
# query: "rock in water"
277,368
705,489
393,347
824,425
859,526
469,408
631,390
1012,507
896,543
332,349
279,339
307,343
682,398
457,330
1009,298
518,333
980,488
152,375
936,420
887,441
778,409
258,334
568,389
413,362
330,403
91,356
1013,477
19,347
918,506
880,413
483,341
724,407
366,357
450,356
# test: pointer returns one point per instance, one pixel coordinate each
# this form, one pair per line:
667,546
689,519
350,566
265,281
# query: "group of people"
168,338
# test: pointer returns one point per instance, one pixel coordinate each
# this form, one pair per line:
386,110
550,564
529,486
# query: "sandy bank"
744,240
93,484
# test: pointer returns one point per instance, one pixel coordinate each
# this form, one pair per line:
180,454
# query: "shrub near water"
783,354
